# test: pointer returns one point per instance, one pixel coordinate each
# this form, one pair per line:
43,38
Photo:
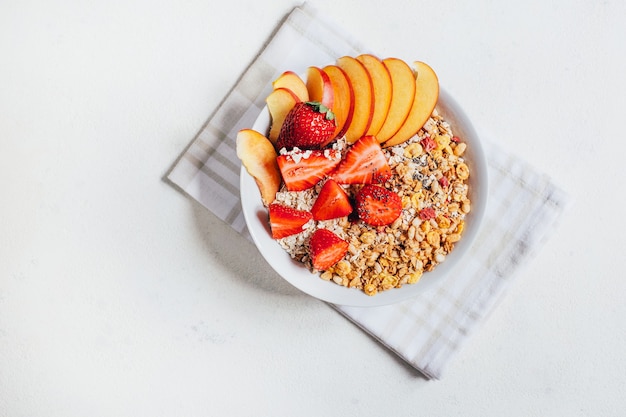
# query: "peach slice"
426,96
361,83
344,98
319,87
403,92
381,81
258,155
279,103
292,81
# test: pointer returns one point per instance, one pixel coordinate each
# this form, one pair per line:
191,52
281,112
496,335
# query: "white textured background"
119,296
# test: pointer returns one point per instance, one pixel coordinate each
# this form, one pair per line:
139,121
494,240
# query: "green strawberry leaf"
320,108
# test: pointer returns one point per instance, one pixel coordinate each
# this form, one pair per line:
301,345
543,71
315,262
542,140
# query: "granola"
431,177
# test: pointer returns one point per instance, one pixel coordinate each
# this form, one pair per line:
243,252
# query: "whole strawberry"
309,125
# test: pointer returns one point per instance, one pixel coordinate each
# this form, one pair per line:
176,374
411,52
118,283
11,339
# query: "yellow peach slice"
258,156
292,81
361,83
381,82
319,87
344,98
279,103
426,96
403,92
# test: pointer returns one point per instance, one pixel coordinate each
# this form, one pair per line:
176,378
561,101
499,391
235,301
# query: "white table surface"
120,296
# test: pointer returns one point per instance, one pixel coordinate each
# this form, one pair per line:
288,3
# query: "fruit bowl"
294,272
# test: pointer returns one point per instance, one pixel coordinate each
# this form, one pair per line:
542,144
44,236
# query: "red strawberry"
308,125
286,221
326,249
303,169
364,163
332,202
378,206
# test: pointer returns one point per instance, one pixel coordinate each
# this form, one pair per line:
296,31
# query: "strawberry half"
286,221
364,163
377,206
301,170
332,202
308,125
326,249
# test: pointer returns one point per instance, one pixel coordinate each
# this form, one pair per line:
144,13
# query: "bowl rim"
255,215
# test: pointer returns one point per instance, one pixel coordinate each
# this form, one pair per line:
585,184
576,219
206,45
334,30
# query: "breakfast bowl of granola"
363,183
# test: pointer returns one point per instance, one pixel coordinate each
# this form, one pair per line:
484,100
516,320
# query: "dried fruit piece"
326,249
332,202
427,213
286,221
428,144
301,170
364,163
378,206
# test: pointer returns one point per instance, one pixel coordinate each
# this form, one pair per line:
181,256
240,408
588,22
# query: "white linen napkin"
425,331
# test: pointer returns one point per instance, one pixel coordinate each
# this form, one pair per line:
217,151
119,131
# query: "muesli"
366,187
430,175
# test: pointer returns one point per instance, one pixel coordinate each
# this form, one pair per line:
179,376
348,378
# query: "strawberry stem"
320,108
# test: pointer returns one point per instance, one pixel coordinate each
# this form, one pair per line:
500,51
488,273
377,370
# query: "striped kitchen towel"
523,208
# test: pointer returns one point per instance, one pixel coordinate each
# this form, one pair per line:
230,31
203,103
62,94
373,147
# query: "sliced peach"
402,94
292,81
381,81
319,87
344,98
258,155
426,96
361,83
279,103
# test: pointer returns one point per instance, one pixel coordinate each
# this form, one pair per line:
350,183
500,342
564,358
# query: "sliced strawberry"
364,163
326,249
301,169
378,206
332,202
286,221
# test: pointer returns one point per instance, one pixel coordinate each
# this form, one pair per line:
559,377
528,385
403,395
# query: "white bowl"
300,277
